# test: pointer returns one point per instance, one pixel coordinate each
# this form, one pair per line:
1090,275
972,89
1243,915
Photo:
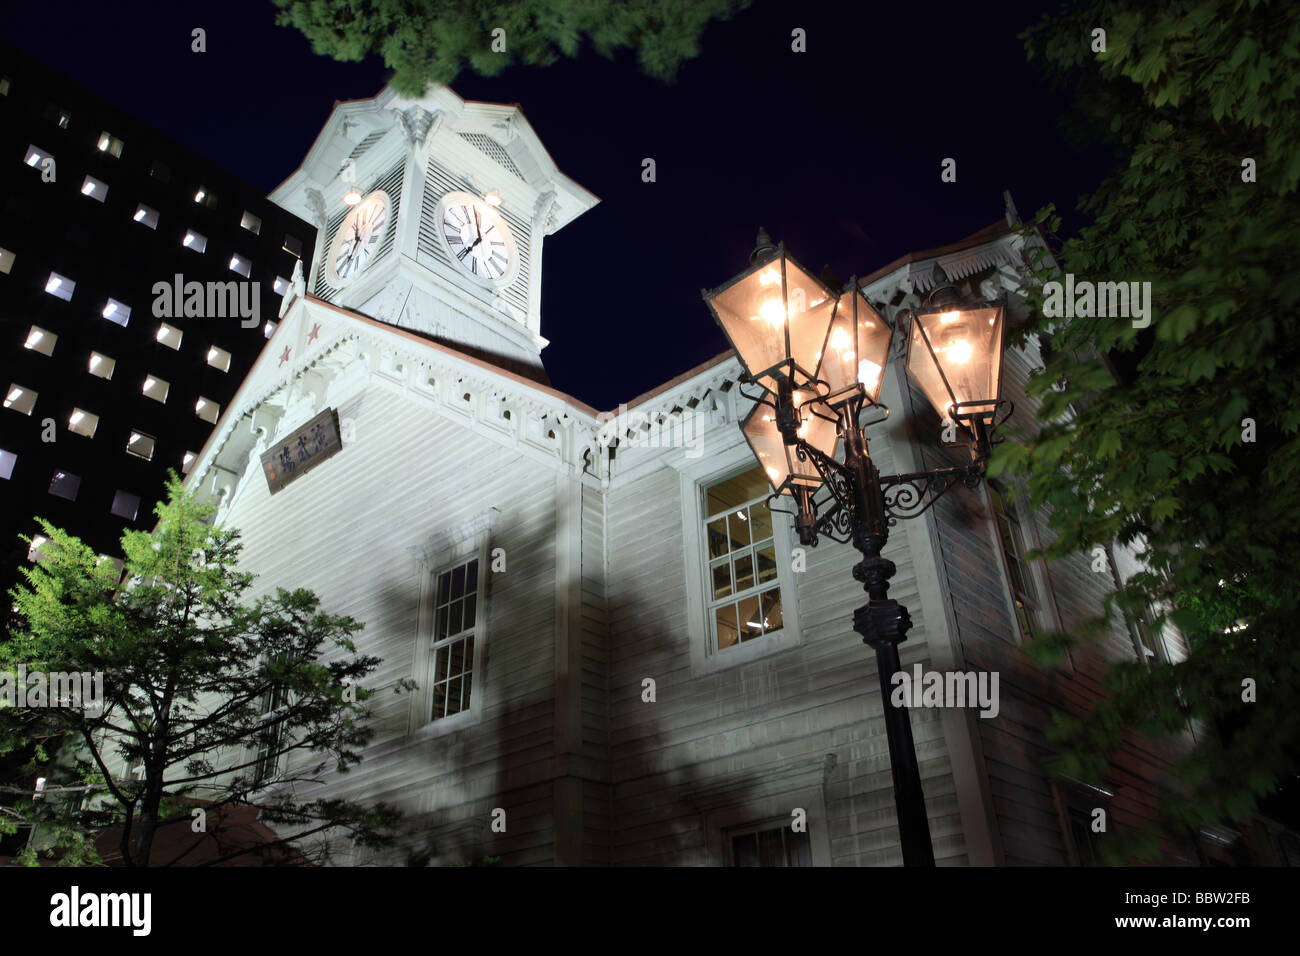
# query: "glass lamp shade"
856,349
956,358
774,314
780,462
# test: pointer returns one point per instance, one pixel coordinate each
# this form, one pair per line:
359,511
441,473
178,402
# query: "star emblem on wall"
315,331
284,357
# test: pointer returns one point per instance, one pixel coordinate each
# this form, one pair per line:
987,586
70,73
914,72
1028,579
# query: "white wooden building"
531,577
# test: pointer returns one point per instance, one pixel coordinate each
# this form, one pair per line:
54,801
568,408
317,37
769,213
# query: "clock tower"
431,215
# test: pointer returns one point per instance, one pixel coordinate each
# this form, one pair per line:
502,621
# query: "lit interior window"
207,410
94,188
126,505
280,285
40,340
156,388
195,241
65,118
60,286
252,223
146,216
5,86
20,399
118,312
219,358
102,365
108,143
34,552
6,261
241,265
269,329
35,156
82,422
204,197
187,462
169,335
65,485
7,461
140,445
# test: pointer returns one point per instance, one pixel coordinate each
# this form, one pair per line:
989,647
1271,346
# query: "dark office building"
138,282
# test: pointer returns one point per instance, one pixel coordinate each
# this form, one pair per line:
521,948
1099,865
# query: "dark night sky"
837,150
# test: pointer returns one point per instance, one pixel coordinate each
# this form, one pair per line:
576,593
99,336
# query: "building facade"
136,283
622,656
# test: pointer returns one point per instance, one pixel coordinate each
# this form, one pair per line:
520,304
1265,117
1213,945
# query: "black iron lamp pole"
802,417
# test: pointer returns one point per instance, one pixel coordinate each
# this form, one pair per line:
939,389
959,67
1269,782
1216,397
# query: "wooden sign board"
303,450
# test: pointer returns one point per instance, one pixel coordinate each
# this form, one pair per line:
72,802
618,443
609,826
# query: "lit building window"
451,659
5,85
187,462
208,410
20,399
293,245
95,189
117,312
169,335
125,505
156,388
60,286
102,365
7,461
108,143
776,845
6,261
195,241
40,340
205,197
219,358
64,119
82,422
35,156
140,445
269,329
241,265
252,223
744,597
280,286
146,216
65,485
34,552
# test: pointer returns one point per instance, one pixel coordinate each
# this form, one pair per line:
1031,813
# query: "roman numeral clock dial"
358,237
478,239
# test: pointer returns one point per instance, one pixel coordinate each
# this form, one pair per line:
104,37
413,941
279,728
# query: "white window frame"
705,658
420,719
1045,617
722,822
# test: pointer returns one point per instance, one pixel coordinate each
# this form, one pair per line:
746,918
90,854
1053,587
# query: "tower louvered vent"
496,151
366,143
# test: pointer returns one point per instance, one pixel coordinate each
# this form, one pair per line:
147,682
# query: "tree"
203,698
1195,456
432,42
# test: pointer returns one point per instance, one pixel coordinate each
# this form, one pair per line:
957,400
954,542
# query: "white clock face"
359,237
479,240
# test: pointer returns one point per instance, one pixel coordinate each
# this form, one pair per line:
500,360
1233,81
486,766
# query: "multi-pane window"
744,595
777,846
1147,640
455,616
271,735
1011,531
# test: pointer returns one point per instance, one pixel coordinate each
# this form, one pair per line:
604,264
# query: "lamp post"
819,355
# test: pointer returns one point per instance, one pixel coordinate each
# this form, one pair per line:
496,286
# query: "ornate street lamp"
819,355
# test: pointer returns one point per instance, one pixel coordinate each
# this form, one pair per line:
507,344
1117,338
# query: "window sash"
733,559
457,601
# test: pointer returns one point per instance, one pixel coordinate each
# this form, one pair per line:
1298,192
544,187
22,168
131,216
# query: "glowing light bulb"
947,318
769,277
773,473
960,352
842,343
772,313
